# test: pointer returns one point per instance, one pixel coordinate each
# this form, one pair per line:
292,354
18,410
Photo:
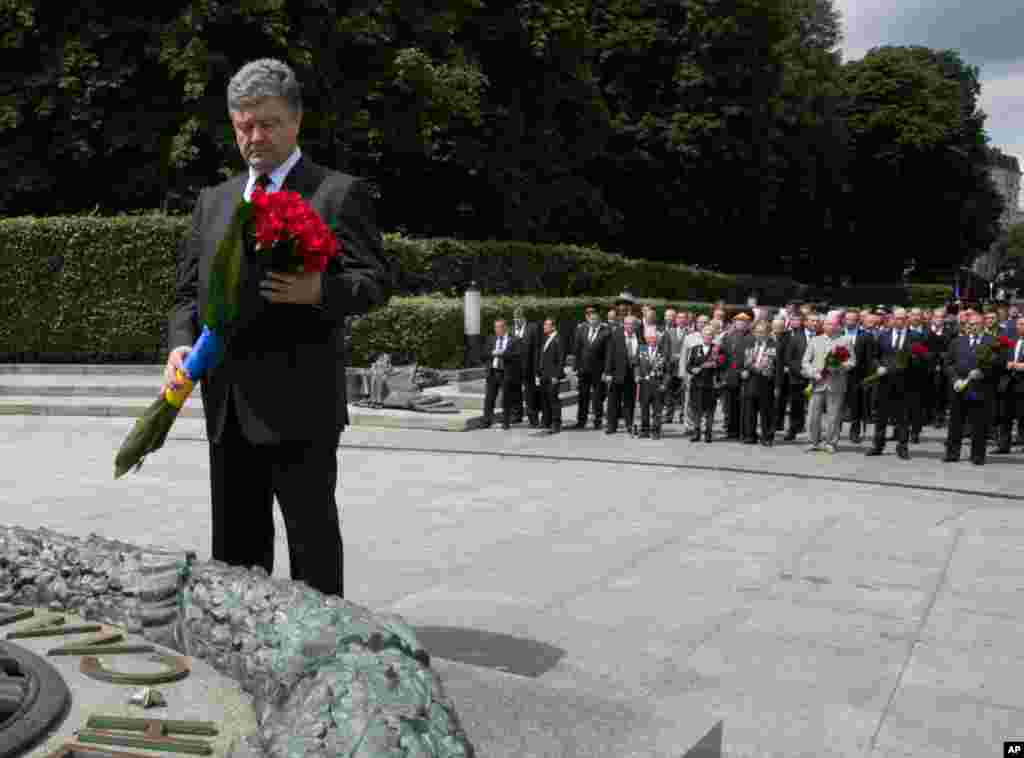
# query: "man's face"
915,320
812,324
899,321
962,318
1020,327
623,310
829,326
718,315
627,327
682,320
702,322
670,317
1003,313
740,325
761,331
990,320
266,132
709,336
871,321
499,328
852,319
937,321
592,316
652,340
975,325
549,326
795,322
613,316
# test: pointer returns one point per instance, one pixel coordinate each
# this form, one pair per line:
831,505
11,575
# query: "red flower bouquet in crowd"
836,359
291,232
919,350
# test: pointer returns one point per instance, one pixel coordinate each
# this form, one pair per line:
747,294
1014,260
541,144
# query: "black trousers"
245,478
525,393
855,404
978,413
702,401
591,391
1011,405
551,406
793,390
892,407
674,393
496,381
652,396
733,410
622,402
758,406
935,397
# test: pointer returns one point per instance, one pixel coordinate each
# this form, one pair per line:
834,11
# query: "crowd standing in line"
761,374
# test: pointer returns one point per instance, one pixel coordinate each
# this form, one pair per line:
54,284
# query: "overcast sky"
988,34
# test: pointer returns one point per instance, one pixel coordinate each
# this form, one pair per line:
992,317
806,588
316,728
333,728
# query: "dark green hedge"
98,289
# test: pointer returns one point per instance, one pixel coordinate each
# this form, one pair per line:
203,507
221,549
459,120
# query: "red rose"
1005,342
842,354
733,365
721,361
919,350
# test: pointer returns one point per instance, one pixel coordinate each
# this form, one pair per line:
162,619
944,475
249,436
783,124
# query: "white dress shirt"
277,176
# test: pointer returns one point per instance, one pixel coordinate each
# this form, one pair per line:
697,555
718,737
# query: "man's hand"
175,361
882,371
959,384
744,374
975,374
297,289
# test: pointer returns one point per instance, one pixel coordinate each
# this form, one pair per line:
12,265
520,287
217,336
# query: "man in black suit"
1011,390
675,337
550,371
275,406
863,347
760,373
802,331
620,373
734,344
936,392
503,354
892,358
974,391
590,343
528,334
652,378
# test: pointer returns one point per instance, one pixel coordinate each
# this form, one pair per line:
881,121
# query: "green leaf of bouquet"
225,273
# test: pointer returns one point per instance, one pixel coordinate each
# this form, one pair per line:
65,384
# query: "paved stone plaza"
814,605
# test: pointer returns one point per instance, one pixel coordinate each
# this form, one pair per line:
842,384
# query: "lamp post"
471,321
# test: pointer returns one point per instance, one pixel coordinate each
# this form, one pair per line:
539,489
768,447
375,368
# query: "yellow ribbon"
178,397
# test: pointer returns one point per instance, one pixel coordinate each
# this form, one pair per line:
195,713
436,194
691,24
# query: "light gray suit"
828,395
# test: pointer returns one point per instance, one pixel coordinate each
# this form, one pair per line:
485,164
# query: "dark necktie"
263,180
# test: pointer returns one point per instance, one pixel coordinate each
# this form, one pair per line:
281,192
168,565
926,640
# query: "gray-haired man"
266,441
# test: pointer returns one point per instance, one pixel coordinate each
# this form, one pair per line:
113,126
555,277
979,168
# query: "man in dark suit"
673,344
734,344
863,347
590,344
528,334
275,406
550,371
620,374
892,358
760,373
974,391
936,392
504,356
1011,390
801,332
652,377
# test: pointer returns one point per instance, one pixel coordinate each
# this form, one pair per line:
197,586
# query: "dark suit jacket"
758,382
550,362
960,359
735,346
511,360
531,333
617,363
1012,381
590,357
863,353
286,363
645,367
796,346
706,378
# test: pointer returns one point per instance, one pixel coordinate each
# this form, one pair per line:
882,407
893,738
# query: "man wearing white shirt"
503,359
620,374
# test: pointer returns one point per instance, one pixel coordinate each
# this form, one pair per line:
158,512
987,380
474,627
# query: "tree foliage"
726,133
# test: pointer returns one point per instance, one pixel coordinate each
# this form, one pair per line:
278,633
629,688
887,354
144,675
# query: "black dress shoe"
609,430
644,435
655,435
695,437
790,436
950,458
534,424
978,461
556,428
506,427
915,439
1001,451
873,451
750,441
903,452
485,425
768,442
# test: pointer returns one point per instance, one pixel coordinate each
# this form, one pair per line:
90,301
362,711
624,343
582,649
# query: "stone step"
475,401
42,405
51,369
81,385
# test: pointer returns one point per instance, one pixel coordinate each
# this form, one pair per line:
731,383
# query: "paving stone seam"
916,639
690,466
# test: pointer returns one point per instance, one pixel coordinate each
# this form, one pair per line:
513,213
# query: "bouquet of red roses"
291,237
835,360
985,356
919,352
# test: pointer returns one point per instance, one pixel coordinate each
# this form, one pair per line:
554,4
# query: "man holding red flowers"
276,403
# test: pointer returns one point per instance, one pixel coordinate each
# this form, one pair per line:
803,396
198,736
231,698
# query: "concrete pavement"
827,606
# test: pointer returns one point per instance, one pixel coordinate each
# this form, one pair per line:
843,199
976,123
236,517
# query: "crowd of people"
762,372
